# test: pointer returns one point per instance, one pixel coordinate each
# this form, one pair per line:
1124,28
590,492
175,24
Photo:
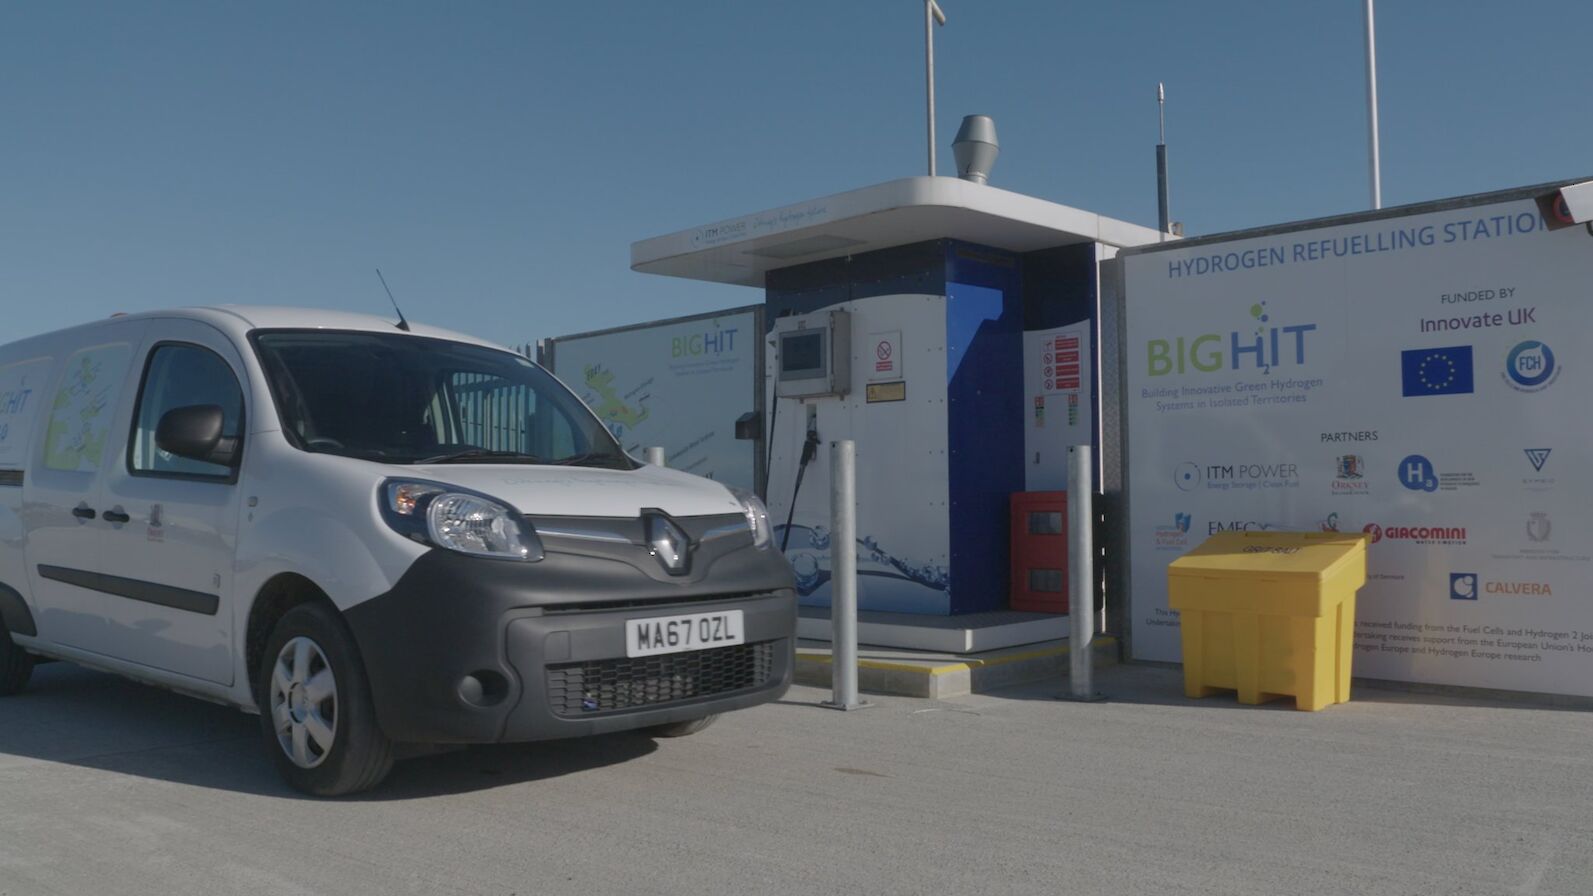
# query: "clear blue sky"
498,159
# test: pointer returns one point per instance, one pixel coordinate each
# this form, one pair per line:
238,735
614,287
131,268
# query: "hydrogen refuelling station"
1408,374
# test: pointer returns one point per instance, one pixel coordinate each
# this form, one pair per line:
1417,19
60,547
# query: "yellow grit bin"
1269,614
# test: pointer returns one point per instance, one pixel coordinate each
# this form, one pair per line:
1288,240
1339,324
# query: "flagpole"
1371,106
932,15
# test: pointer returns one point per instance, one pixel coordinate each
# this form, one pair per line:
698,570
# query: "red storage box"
1040,552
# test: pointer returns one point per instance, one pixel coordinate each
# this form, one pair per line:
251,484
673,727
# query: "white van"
378,538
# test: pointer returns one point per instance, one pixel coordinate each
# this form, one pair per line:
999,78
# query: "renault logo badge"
669,543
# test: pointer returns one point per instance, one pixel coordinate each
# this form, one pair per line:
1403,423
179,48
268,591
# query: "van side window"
180,376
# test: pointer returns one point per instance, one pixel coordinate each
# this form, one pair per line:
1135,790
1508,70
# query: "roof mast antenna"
402,324
1162,216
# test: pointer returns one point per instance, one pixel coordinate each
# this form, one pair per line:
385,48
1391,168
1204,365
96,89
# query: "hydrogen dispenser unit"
949,329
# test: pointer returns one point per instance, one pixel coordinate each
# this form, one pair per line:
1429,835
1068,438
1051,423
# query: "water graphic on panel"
809,553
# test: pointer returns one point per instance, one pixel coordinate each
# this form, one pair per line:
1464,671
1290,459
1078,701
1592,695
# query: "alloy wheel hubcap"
304,702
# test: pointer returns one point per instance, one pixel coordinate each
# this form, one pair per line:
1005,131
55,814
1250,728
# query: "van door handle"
116,516
83,513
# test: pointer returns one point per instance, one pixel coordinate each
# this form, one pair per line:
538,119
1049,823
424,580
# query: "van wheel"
681,729
16,665
315,706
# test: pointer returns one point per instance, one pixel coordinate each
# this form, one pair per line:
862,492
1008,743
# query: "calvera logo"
1530,367
1260,347
1436,371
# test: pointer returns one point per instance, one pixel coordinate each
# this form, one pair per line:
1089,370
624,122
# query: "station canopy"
896,213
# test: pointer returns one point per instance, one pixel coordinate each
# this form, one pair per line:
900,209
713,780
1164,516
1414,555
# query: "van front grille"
599,686
650,603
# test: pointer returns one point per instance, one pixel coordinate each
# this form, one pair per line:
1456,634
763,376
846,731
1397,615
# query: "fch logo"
1436,371
1462,586
1417,474
1530,367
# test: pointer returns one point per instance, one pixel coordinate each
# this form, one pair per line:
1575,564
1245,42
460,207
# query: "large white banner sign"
680,385
1423,379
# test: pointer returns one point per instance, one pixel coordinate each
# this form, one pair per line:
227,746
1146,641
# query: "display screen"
802,354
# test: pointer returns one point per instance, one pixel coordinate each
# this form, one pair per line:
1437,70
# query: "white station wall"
1423,379
680,385
904,551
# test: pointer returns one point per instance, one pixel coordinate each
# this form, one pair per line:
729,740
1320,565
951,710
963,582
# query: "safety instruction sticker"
884,358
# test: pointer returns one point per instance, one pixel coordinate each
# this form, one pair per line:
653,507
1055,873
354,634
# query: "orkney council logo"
1462,586
1530,367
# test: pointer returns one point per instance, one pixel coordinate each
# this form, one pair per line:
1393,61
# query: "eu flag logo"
1436,371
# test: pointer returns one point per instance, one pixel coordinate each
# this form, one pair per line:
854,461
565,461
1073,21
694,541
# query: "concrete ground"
109,787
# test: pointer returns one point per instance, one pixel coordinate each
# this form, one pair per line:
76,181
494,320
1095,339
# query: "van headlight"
757,518
458,520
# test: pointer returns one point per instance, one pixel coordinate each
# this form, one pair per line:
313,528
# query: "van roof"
238,320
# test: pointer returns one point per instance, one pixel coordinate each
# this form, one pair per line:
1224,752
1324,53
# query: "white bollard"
1081,574
654,455
843,576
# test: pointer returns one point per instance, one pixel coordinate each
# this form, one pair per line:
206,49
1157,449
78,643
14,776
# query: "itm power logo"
1261,348
1189,476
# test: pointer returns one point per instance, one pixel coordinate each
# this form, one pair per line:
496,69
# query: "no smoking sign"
887,355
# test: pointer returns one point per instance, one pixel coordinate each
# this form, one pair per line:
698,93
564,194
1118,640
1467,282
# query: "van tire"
16,665
360,755
682,729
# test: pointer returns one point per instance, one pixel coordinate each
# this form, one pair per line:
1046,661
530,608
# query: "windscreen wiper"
469,455
594,459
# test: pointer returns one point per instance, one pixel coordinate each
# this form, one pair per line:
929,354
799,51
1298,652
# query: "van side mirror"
194,432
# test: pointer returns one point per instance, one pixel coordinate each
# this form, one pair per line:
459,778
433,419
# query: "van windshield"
411,399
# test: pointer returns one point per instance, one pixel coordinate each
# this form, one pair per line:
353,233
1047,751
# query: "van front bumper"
466,650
